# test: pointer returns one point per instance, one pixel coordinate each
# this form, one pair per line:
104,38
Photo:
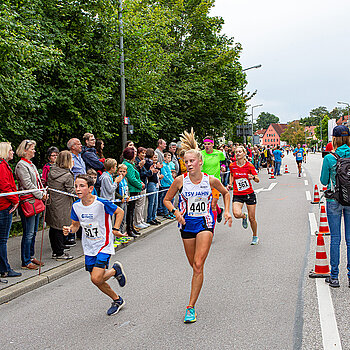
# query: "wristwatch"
115,229
173,211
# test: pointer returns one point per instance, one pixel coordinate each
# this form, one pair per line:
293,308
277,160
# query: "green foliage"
59,71
265,119
294,133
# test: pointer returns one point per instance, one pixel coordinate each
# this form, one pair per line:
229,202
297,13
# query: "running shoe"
116,243
255,240
245,221
119,273
190,315
333,282
116,306
219,219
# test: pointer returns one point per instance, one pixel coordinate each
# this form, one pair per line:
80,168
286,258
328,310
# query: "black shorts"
299,161
249,199
188,235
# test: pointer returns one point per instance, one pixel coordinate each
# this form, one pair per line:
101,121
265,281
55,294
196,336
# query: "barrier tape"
133,198
5,194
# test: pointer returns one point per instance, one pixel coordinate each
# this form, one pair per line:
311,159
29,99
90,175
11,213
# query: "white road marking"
272,185
313,223
304,174
306,182
308,195
330,333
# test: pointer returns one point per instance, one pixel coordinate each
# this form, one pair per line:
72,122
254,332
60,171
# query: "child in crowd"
165,184
89,212
51,155
93,174
108,185
123,193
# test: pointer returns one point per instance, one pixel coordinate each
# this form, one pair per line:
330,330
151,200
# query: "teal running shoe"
245,221
190,315
255,240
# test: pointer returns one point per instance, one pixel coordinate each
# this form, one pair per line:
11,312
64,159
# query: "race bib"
299,155
197,206
242,184
92,231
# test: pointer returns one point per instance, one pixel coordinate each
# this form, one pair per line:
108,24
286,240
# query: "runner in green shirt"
211,166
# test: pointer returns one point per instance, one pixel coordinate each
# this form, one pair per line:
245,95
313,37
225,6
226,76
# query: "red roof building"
310,132
272,135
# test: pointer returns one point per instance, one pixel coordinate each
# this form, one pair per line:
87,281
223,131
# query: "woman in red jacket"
8,205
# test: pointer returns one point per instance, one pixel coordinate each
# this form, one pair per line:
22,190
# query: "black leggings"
130,211
57,240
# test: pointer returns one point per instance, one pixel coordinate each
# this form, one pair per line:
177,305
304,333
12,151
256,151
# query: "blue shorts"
100,260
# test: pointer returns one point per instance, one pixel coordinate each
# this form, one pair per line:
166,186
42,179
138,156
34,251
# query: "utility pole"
125,121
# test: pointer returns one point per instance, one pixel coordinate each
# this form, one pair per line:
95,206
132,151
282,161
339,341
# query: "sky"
303,47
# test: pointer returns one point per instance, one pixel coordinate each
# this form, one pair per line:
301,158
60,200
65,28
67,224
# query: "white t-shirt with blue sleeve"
96,223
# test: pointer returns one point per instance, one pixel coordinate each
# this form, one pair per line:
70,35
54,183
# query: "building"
260,133
310,132
272,135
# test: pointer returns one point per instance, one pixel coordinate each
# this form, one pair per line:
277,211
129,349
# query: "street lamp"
345,103
253,121
257,66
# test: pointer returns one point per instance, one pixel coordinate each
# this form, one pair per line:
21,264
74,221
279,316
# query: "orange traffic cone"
323,228
316,196
272,176
286,170
321,265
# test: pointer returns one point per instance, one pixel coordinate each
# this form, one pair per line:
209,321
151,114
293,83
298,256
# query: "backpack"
341,192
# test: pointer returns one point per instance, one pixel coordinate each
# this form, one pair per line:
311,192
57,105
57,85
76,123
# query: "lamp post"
347,104
253,121
257,66
122,76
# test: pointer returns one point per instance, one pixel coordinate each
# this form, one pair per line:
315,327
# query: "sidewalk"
53,269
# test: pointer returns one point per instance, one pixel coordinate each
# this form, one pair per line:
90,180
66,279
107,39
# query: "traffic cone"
323,228
316,196
321,265
272,176
286,170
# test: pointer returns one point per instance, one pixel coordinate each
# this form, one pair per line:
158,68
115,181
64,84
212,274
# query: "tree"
324,130
265,119
294,133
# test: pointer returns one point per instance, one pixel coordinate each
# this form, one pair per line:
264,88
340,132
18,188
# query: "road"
254,297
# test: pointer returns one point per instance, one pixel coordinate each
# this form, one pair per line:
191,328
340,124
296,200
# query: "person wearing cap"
335,211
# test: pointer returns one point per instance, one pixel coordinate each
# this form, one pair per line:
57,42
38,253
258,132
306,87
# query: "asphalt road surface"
253,297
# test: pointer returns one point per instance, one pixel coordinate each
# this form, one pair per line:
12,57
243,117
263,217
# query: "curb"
32,283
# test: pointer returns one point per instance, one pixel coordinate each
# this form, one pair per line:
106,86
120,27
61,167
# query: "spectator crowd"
139,171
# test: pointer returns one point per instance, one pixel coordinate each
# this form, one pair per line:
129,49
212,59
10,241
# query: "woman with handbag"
59,205
31,205
8,205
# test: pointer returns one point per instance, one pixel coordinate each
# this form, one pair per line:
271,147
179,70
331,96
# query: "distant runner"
299,154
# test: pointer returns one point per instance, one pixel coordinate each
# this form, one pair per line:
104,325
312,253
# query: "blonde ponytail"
189,144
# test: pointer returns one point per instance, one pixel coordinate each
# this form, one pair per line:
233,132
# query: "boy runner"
93,214
211,166
299,154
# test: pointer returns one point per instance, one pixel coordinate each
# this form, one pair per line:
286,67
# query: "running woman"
242,172
195,215
93,214
299,154
211,166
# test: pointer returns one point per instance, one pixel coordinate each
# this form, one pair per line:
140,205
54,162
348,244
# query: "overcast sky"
304,49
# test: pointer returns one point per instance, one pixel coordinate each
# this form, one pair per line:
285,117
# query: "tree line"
59,71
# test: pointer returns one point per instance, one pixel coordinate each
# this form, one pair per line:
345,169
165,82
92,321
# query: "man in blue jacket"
90,157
